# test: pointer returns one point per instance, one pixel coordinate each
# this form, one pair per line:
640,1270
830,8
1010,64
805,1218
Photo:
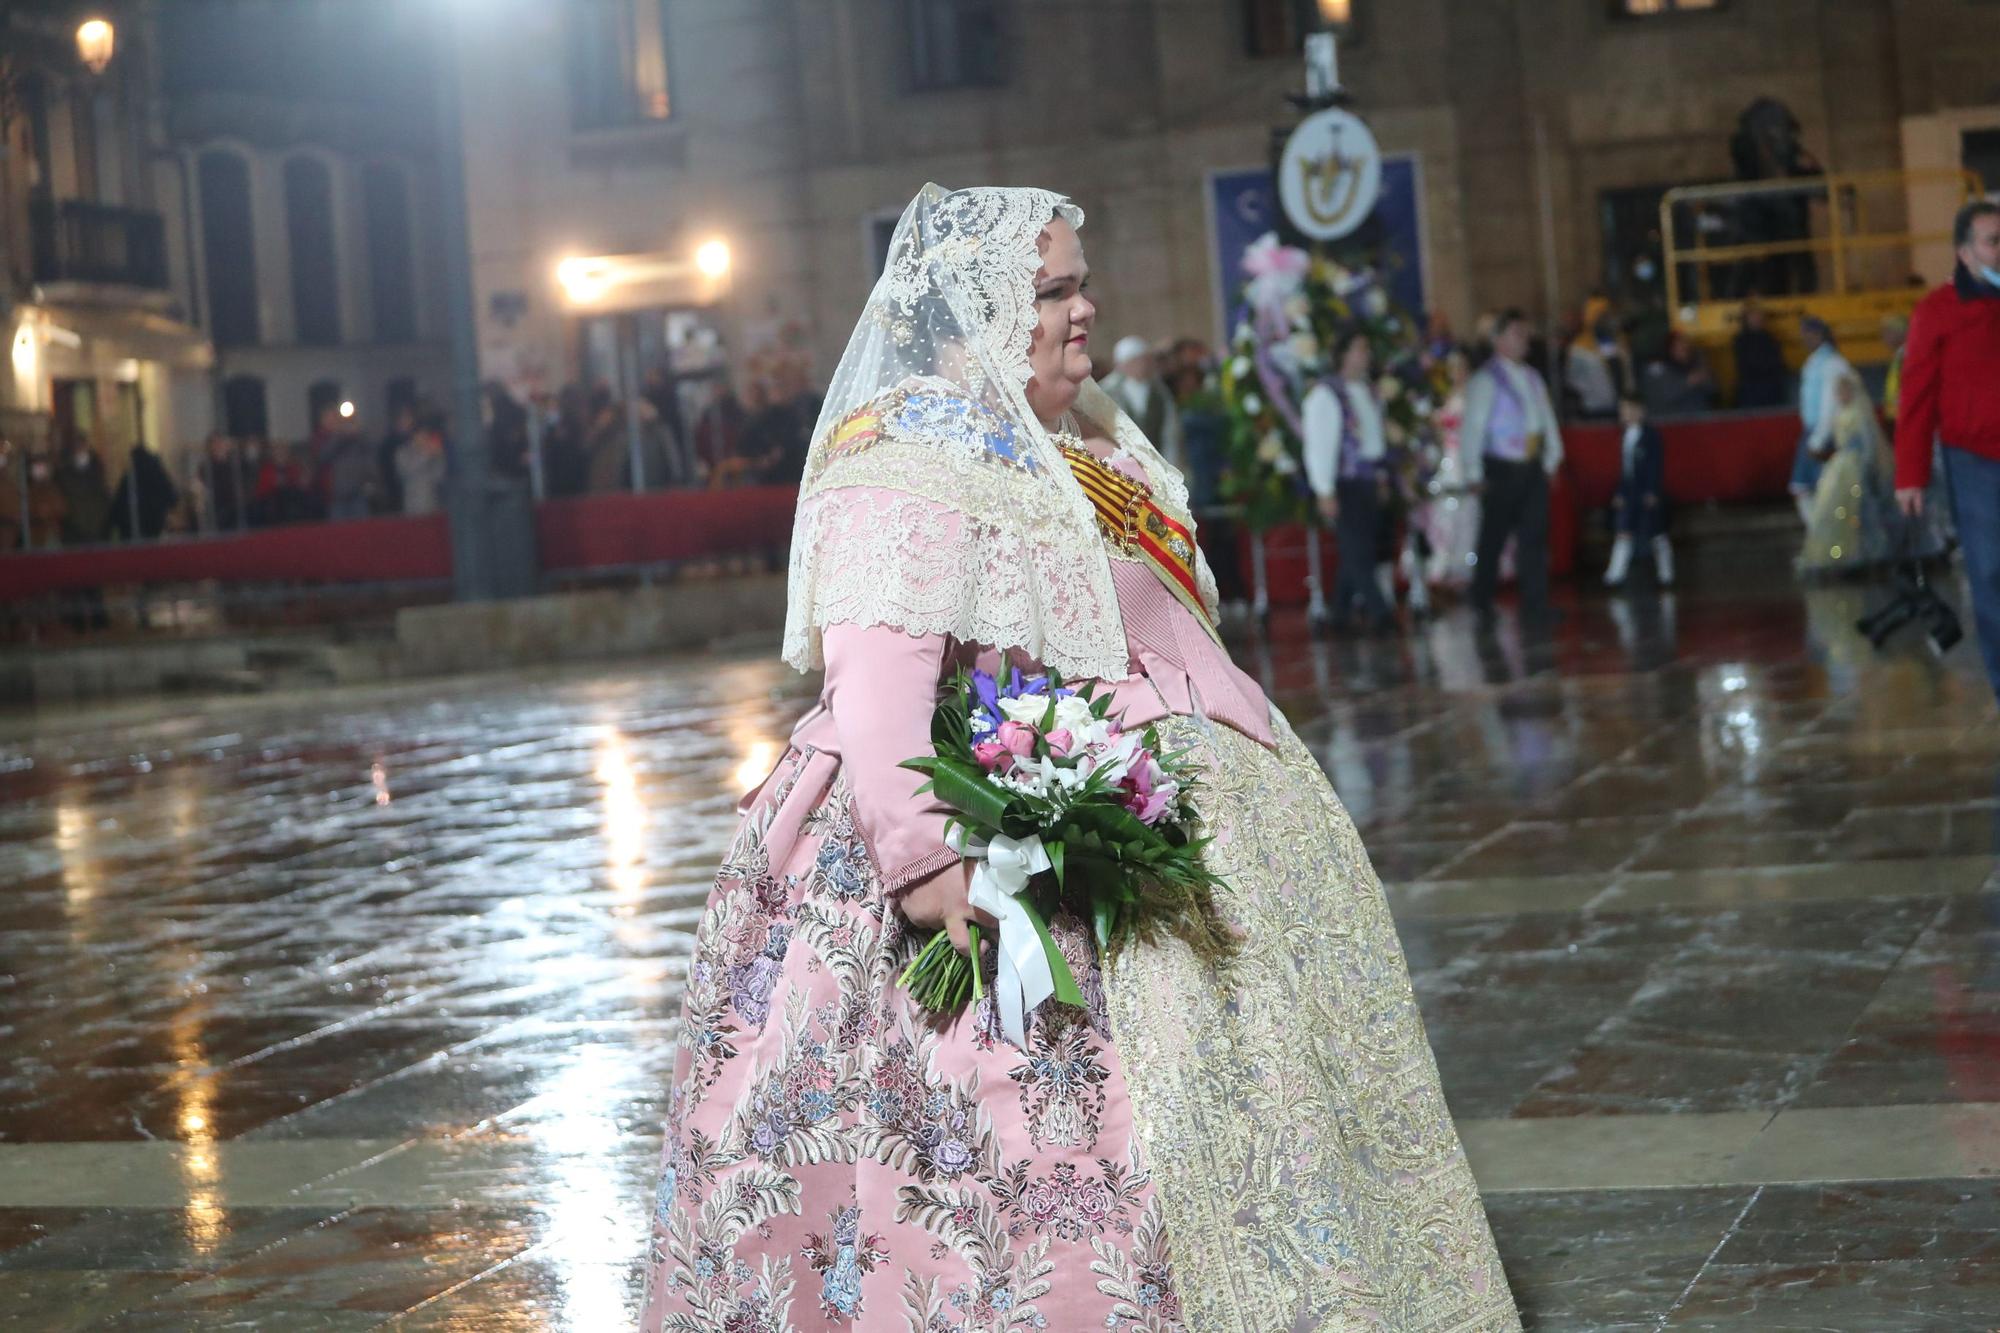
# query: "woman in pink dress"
1249,1146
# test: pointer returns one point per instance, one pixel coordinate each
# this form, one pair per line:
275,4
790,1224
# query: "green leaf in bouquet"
1055,851
1066,988
964,788
1103,919
972,939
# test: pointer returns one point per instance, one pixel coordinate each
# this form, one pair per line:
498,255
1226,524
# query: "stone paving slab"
355,1008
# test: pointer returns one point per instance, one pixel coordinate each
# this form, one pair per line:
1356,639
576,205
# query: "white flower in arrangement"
1252,404
1027,710
1393,433
1270,449
1377,302
1298,309
1284,464
1242,333
1388,388
1305,347
1074,716
1424,406
1240,367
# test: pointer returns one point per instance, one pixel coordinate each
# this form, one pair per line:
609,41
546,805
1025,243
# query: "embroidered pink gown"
836,1159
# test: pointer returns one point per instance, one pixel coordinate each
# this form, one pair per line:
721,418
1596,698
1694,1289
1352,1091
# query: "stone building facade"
1541,132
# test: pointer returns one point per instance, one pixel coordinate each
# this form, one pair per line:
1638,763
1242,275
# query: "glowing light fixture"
96,41
711,259
1336,13
583,280
347,410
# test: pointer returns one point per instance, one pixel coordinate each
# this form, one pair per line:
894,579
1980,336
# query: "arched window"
320,395
385,203
245,415
315,271
228,245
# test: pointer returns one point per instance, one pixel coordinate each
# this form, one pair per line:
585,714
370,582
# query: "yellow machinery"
1859,255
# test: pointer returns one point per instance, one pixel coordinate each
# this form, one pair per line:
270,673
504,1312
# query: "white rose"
1297,308
1027,710
1285,465
1378,302
1393,432
1073,715
1241,367
1305,346
1252,404
1270,449
1388,388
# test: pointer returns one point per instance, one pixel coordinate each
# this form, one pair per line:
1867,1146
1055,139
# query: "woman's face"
1845,391
1059,356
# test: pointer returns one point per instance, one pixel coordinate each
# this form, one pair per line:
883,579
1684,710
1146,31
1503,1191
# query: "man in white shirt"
1346,461
1511,445
1135,384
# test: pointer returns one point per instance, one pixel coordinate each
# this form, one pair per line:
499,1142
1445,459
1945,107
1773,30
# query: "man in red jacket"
1951,395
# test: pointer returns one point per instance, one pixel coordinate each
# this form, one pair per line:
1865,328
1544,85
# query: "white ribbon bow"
1005,865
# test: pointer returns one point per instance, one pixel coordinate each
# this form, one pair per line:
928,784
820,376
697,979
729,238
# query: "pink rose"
1061,742
1018,738
992,755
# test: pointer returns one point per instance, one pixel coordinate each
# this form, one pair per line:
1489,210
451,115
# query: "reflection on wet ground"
335,1011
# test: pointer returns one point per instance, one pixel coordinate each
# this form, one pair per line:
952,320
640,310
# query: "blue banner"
1245,206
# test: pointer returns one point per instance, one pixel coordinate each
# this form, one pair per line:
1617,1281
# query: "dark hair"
1961,227
1508,318
1347,339
1632,396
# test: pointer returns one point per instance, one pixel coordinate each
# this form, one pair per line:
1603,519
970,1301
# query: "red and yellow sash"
1133,521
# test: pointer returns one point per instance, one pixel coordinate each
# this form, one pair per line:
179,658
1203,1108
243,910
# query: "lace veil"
933,499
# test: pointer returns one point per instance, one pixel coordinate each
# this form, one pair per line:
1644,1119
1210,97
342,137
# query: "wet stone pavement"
354,1009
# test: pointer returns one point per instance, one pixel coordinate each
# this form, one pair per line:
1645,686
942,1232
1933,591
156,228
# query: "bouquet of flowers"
1059,805
1295,309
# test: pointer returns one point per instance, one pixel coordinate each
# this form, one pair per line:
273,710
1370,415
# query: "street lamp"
711,259
96,41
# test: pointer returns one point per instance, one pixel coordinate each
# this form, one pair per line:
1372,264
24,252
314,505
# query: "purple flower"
952,1156
987,691
1023,686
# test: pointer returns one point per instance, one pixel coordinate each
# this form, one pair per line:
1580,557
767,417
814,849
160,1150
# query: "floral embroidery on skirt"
1266,1151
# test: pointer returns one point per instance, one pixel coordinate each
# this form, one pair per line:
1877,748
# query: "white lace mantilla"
933,500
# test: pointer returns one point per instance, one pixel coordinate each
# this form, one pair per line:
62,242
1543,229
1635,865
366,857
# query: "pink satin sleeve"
880,691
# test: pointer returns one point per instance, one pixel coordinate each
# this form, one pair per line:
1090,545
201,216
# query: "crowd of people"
583,439
1474,509
1411,526
65,497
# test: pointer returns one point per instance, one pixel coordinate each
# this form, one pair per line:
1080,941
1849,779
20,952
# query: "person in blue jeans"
1951,396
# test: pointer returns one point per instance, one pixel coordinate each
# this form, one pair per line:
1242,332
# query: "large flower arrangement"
1296,308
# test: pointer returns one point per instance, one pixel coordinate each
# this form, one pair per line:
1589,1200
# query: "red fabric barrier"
1730,459
369,550
599,531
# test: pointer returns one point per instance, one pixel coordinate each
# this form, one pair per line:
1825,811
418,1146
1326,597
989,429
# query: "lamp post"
492,519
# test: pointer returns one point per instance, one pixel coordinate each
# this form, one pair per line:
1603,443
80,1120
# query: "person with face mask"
1950,395
86,495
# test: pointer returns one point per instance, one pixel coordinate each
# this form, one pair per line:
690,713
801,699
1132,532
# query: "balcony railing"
77,241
